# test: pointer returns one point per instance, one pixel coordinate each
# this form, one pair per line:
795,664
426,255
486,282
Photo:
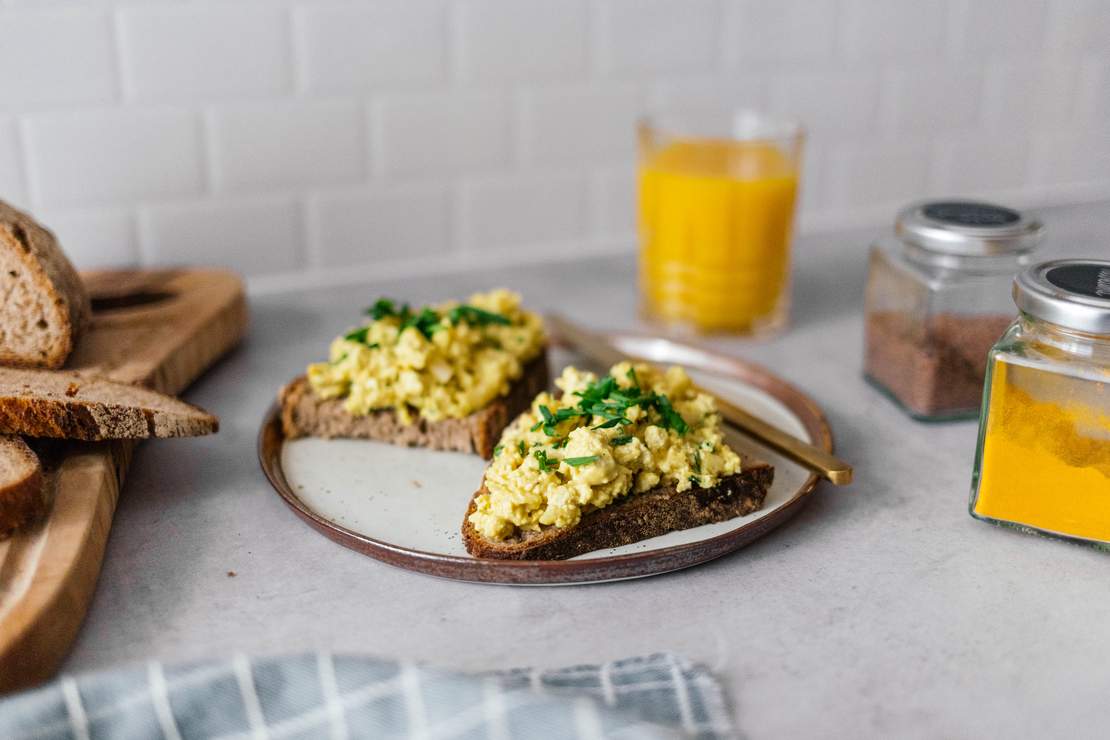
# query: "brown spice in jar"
935,367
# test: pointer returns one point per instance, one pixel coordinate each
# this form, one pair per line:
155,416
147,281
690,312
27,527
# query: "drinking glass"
716,208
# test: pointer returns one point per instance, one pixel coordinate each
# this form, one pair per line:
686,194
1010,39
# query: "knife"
826,465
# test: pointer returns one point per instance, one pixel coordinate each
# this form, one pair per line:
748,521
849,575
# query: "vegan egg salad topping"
444,361
633,430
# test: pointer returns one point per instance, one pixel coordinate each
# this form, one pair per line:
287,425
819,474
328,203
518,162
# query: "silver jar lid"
968,228
1073,293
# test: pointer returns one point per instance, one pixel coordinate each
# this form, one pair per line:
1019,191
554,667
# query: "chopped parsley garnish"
697,461
360,335
605,398
497,450
671,418
695,480
476,316
541,459
427,321
550,421
384,307
522,447
579,461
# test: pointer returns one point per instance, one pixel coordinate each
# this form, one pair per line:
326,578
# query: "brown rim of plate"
589,570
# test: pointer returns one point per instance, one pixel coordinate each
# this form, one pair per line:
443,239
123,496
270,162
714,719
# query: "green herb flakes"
541,459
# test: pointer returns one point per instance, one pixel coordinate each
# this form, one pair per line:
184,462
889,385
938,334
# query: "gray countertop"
881,608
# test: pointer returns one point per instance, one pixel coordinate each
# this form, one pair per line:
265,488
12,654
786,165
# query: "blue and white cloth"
325,696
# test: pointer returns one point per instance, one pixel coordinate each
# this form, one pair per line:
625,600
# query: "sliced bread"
634,518
304,414
67,405
21,485
44,306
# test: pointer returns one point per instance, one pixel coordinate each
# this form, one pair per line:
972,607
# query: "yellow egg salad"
603,438
443,361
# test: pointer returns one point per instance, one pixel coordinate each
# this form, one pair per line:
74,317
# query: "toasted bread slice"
634,518
21,485
304,414
45,305
67,405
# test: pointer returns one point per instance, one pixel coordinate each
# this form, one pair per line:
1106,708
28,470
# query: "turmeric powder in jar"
1043,461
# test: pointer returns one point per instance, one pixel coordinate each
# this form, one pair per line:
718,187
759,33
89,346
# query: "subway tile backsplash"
321,138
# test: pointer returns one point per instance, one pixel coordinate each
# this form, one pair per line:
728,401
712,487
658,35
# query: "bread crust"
67,405
303,414
636,517
50,270
22,495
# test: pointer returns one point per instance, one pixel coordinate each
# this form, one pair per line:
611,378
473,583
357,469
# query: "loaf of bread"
45,306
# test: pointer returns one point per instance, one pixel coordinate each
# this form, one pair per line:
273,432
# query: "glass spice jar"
1043,459
938,298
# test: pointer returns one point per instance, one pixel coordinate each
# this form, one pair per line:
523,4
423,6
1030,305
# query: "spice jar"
938,298
1043,461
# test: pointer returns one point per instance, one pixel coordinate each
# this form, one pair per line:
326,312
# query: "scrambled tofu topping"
602,439
443,361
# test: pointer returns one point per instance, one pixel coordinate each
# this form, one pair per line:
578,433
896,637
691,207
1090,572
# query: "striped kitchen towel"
322,696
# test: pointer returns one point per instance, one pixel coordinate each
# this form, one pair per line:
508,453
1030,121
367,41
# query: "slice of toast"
45,305
21,485
304,414
67,405
634,518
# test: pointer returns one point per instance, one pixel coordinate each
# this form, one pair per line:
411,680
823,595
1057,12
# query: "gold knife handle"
828,466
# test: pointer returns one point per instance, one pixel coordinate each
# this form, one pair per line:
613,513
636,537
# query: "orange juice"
715,220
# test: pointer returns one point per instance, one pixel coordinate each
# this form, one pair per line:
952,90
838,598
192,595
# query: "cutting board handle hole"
103,303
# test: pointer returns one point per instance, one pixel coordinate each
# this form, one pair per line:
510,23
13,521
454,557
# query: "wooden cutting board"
157,328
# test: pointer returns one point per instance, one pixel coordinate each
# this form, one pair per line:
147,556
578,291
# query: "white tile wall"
920,101
894,29
285,144
351,47
659,36
1001,27
520,40
579,126
114,156
789,30
288,138
830,103
11,171
174,52
101,237
863,174
1078,25
210,232
503,213
56,56
359,228
433,134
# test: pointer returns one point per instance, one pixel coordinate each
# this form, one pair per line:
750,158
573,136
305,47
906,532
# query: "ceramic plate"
405,506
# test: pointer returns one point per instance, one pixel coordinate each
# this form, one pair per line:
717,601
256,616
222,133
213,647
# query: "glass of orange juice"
716,207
